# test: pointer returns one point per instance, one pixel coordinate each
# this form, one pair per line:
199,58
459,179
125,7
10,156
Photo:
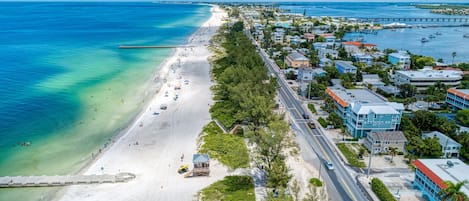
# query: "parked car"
163,106
305,116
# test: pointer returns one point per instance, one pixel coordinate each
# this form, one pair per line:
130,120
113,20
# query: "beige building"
296,60
380,142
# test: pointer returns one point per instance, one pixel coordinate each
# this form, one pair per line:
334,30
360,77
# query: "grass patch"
231,188
315,182
323,122
381,191
351,156
311,108
229,149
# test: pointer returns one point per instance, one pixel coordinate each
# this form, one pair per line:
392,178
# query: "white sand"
163,138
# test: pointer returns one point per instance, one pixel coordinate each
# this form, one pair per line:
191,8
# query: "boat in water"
438,33
431,36
466,35
424,40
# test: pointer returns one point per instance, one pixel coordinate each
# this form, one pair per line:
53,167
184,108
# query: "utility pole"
369,162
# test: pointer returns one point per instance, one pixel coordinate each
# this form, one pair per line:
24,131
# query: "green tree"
335,120
314,58
453,192
316,90
431,148
342,53
424,120
393,152
407,90
462,116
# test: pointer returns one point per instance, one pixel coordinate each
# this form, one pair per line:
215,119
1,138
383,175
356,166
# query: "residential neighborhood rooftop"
442,138
441,170
431,74
297,56
388,136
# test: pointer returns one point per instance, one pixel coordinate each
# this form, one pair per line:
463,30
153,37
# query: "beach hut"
201,164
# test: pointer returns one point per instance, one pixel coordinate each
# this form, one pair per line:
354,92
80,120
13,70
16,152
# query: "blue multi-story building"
401,59
458,98
431,174
345,67
363,111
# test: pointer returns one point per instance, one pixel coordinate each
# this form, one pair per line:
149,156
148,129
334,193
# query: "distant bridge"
413,19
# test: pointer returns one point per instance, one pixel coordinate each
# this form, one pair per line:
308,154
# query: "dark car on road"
305,116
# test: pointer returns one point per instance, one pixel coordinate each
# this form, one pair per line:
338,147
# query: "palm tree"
453,192
453,55
393,152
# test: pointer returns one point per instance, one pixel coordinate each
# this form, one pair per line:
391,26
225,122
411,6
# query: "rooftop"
442,138
358,44
464,93
346,64
430,74
346,96
440,170
388,136
297,57
200,158
376,108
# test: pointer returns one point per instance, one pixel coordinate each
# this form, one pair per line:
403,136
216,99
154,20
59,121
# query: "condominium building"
431,175
296,60
401,59
424,78
364,111
449,147
345,67
380,142
458,98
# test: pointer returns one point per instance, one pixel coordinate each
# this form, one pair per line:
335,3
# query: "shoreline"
164,78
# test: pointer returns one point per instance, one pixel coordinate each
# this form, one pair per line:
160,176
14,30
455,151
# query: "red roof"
358,44
430,174
458,93
336,98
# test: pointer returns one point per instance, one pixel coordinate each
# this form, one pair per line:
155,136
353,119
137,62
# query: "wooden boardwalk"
153,46
50,181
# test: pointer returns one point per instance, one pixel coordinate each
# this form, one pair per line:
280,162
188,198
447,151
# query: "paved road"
341,185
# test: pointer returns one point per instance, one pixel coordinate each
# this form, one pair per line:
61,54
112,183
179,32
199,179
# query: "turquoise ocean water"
65,87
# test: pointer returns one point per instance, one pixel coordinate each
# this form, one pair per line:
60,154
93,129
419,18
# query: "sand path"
152,147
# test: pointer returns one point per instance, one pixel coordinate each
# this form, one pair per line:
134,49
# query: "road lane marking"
347,188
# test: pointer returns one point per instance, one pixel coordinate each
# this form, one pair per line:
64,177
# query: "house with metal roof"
296,60
449,147
431,175
380,142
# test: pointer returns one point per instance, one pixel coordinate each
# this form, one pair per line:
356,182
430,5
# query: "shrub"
352,157
315,182
323,122
381,191
229,149
311,107
231,188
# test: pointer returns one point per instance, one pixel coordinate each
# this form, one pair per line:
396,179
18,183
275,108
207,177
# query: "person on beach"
182,157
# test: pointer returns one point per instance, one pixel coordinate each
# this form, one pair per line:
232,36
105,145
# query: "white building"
401,59
323,52
449,147
372,79
424,78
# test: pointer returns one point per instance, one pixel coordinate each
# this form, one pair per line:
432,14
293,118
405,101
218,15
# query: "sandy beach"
152,147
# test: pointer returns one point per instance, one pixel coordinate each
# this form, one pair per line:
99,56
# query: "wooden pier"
153,46
51,181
